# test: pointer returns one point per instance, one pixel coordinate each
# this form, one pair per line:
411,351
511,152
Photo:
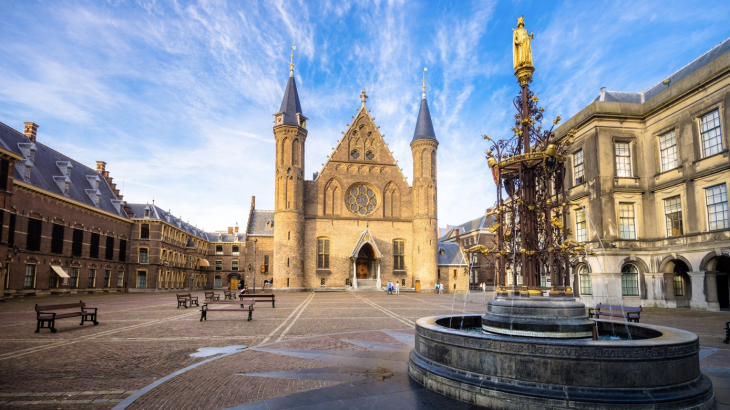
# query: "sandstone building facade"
649,174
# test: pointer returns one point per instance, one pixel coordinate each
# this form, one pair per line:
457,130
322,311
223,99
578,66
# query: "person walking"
390,287
397,288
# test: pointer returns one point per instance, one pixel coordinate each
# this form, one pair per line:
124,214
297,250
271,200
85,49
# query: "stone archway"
721,266
364,262
679,284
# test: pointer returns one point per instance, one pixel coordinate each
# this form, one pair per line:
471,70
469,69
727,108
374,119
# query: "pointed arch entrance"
366,258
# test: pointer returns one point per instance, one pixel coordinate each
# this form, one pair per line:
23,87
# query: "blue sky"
177,96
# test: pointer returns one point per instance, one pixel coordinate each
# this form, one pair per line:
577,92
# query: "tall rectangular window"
581,231
678,285
399,254
323,253
586,285
94,248
710,133
668,151
4,173
29,282
77,242
2,223
122,250
57,239
627,222
107,278
235,250
234,265
11,230
144,232
120,279
33,243
73,281
142,279
53,281
673,216
622,151
218,265
578,171
717,209
143,256
266,264
217,282
219,249
92,278
109,252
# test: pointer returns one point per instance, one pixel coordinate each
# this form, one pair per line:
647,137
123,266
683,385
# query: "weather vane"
424,82
291,65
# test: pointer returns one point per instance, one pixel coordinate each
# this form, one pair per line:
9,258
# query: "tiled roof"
424,126
157,213
470,226
449,254
51,170
682,73
261,224
290,103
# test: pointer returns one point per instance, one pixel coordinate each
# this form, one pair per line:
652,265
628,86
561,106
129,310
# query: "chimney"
253,202
31,129
100,167
236,227
458,235
230,230
603,90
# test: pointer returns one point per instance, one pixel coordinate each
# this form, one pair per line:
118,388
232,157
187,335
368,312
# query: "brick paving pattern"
307,345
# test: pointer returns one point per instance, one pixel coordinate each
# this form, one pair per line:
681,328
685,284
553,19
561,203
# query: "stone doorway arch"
679,284
364,262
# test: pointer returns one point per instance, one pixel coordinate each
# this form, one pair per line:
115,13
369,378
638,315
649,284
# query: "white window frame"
669,158
581,226
718,206
671,209
622,152
578,167
710,133
624,219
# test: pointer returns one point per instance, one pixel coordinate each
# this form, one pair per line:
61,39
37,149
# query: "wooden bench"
184,299
629,313
210,305
48,314
260,297
228,294
210,295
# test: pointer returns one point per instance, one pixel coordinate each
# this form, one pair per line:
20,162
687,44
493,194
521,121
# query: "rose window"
361,200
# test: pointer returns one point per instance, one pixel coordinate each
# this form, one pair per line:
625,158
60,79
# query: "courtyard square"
314,350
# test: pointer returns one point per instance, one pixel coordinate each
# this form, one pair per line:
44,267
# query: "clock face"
361,199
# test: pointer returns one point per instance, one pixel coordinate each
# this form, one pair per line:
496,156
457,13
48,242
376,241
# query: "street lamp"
254,264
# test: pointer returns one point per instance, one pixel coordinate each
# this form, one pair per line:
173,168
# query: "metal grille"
668,151
717,209
710,133
673,215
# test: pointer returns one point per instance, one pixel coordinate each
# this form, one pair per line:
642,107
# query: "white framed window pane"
678,285
717,208
578,171
218,282
673,216
627,226
142,280
668,151
581,233
29,276
586,286
622,151
629,280
710,133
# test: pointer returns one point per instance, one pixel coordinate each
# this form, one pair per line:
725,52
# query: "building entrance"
364,262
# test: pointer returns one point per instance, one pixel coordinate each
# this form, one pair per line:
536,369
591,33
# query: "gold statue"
522,52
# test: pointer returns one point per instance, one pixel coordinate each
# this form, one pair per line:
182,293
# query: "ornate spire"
423,96
363,97
290,105
424,126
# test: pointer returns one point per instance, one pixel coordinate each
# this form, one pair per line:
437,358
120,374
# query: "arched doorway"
722,267
364,262
233,279
681,283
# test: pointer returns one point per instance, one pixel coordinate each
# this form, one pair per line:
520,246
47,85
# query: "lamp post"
254,264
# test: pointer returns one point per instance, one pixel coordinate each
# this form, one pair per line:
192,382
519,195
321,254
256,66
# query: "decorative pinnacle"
363,97
291,64
423,95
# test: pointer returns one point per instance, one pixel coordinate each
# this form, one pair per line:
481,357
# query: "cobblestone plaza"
341,350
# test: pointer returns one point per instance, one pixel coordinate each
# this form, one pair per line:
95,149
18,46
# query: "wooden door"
234,284
362,269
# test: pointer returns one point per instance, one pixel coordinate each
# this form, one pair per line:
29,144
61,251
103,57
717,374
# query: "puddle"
212,351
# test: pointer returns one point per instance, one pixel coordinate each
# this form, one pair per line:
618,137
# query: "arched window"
629,280
295,153
433,164
678,285
586,285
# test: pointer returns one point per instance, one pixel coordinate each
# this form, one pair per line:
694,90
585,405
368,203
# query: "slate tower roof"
290,106
424,126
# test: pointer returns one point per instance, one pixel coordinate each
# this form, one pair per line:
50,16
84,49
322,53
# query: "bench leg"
272,303
38,327
250,311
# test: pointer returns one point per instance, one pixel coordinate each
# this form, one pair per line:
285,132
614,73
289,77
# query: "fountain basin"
657,369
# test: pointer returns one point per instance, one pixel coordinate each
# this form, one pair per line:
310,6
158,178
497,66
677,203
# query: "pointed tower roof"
424,126
290,106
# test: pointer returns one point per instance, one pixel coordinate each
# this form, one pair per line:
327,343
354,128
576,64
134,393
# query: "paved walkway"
314,350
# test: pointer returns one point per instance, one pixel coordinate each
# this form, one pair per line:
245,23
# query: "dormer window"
33,149
269,224
147,212
279,119
441,251
26,174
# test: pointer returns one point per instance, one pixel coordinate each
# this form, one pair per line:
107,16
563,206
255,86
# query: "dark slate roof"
290,104
449,254
46,167
424,126
483,222
674,78
228,237
259,224
157,213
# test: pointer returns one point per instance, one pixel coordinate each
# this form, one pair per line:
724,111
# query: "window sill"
710,156
660,173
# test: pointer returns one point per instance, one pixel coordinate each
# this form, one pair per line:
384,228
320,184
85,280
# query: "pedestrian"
437,288
397,288
441,288
390,288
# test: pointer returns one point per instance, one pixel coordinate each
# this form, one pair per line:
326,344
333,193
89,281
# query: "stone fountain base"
658,369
